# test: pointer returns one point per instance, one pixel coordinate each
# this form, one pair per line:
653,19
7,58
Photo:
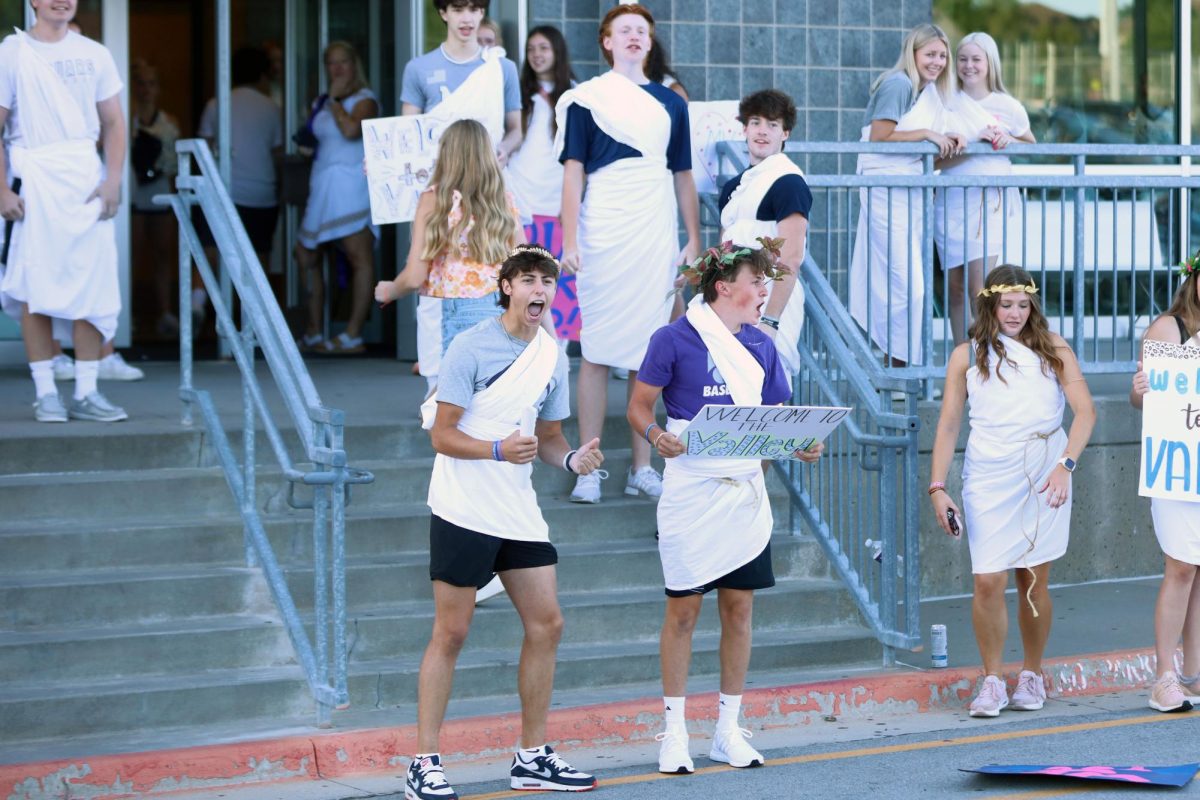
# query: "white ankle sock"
86,373
43,377
540,750
673,711
730,705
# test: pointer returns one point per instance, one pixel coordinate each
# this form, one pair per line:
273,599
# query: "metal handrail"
320,429
876,449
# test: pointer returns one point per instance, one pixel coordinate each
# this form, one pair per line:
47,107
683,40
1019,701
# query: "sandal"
344,345
311,342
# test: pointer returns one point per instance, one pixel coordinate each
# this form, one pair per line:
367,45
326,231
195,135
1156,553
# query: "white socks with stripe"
728,709
673,712
43,377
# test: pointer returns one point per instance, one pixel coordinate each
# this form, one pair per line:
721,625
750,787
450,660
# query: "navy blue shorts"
462,557
755,574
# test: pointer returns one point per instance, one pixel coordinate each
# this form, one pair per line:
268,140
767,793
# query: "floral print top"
453,273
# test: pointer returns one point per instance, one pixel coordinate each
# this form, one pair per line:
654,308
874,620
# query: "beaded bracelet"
566,464
646,433
497,451
936,486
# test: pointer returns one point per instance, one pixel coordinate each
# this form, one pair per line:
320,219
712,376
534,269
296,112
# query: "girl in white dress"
1177,526
533,173
887,276
339,211
1016,473
982,109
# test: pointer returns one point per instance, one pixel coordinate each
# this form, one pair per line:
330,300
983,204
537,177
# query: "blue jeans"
461,313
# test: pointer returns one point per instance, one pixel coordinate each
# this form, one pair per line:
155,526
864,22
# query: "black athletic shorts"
258,222
462,557
755,574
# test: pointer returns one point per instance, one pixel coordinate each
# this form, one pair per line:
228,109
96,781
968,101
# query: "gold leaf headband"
1027,288
533,248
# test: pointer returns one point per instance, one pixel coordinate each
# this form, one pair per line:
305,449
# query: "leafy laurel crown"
715,261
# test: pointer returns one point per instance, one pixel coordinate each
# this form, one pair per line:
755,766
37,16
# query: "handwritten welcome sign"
400,155
762,432
1171,423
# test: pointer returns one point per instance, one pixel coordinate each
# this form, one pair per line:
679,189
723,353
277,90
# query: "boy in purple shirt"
714,519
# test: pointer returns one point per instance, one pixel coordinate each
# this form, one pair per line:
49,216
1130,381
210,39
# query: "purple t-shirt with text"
678,361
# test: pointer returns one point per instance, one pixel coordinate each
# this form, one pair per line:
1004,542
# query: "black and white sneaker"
547,771
427,781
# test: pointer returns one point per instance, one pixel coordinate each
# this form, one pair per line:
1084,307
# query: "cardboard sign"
762,432
547,232
400,156
1177,775
1171,423
711,122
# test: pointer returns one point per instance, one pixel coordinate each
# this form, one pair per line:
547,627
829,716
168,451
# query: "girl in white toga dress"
964,218
1177,526
1016,473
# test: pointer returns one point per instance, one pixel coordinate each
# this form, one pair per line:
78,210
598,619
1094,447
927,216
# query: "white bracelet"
566,462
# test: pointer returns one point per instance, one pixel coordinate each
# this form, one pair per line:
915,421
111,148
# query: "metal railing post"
319,429
1078,278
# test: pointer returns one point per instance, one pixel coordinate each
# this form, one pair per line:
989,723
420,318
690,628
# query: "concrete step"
35,657
591,567
73,598
89,706
601,619
164,445
79,598
200,493
383,530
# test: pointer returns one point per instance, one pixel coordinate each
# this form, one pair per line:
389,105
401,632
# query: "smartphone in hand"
952,520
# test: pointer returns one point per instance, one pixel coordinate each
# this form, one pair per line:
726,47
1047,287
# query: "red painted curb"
340,753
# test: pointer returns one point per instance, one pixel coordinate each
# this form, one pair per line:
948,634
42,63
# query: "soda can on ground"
937,646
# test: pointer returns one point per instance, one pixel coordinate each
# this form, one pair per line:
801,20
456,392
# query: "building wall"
824,53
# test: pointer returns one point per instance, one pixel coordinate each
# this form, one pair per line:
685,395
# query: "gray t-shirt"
425,76
892,100
479,355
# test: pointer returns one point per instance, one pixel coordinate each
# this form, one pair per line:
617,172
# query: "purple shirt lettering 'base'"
678,361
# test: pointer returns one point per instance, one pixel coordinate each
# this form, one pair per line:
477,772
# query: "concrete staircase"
126,608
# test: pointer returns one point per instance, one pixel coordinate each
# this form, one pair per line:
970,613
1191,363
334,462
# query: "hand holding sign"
763,432
668,445
1170,388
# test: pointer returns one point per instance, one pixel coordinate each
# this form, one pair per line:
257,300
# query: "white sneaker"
992,697
673,754
493,588
1030,694
64,367
50,408
114,368
587,489
729,746
646,480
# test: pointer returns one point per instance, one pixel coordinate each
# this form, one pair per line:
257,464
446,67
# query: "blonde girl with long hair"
1016,478
338,212
1177,526
985,111
464,227
907,104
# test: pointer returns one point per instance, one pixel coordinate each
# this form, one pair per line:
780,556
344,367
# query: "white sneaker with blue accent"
114,368
543,770
673,755
426,780
729,746
646,481
95,407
